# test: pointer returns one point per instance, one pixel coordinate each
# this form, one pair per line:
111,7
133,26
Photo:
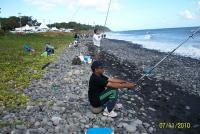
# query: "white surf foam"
189,49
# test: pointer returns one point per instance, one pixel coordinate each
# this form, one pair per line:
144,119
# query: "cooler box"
99,131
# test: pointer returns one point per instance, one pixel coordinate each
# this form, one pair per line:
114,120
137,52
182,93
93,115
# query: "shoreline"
159,100
136,45
182,71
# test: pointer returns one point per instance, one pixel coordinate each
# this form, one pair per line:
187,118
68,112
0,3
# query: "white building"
54,29
43,28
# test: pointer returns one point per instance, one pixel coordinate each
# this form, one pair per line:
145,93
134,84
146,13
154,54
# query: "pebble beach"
170,95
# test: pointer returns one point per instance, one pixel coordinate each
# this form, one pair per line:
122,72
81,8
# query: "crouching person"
103,91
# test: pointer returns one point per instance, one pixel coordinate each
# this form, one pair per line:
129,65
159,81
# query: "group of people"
103,91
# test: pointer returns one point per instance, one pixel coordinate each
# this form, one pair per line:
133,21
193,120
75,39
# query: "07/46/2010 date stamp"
179,125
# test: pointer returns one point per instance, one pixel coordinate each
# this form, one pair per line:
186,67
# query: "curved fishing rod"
170,53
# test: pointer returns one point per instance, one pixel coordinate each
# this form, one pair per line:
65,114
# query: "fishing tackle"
169,54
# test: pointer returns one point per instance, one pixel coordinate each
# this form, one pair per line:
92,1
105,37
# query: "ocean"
163,40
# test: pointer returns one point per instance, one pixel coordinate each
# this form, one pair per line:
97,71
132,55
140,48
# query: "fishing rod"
107,13
170,53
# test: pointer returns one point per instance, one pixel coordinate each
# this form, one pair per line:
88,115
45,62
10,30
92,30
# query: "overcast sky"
124,14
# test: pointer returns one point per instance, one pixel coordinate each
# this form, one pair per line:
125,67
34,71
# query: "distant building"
54,29
43,28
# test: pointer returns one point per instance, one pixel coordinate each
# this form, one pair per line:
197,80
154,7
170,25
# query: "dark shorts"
96,50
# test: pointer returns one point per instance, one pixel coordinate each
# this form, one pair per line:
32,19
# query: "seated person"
49,49
27,48
103,91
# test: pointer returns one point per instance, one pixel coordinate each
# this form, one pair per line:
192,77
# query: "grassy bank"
18,67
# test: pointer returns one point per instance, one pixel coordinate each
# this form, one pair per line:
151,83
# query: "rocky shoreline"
162,97
182,71
65,109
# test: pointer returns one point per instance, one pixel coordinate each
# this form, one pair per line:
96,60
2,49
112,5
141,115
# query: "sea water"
164,40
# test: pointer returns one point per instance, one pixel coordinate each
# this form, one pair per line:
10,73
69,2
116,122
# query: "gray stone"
142,109
187,107
62,109
32,120
83,121
27,131
34,131
37,123
129,102
21,127
196,126
56,120
65,131
6,117
49,123
87,126
144,114
35,71
120,125
76,114
152,109
44,121
70,73
56,108
42,130
57,129
60,103
138,122
16,131
151,129
146,125
51,130
96,110
130,128
29,107
76,72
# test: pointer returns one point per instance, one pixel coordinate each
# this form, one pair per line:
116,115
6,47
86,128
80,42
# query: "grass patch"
18,67
11,123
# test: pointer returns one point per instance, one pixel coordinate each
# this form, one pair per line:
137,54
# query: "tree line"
13,22
78,26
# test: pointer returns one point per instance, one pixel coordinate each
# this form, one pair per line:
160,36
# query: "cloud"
97,5
187,15
199,4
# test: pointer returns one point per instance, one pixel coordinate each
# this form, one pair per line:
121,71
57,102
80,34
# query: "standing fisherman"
97,41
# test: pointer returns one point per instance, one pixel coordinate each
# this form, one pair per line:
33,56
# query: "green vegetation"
11,123
18,67
13,22
78,26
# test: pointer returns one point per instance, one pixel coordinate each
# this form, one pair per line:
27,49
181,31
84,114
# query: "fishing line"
169,54
54,85
75,13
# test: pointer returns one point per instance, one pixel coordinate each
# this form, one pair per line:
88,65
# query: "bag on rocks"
76,61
